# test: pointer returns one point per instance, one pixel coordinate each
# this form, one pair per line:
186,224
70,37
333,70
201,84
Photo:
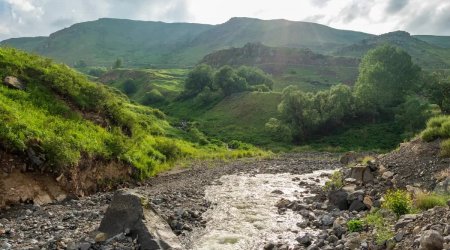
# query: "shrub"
354,225
168,148
235,144
426,201
336,181
398,201
383,229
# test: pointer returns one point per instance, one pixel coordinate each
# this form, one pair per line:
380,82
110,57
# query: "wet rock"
276,191
305,240
269,246
128,211
13,82
339,199
283,203
431,240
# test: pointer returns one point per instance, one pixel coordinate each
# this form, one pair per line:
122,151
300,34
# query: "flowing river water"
244,215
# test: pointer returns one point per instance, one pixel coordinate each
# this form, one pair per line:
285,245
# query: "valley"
247,134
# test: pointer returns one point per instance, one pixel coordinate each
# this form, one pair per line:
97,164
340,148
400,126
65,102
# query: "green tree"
130,87
229,81
437,87
386,75
117,64
200,77
255,76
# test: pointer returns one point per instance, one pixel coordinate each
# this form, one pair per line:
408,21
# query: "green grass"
425,201
382,225
438,127
64,116
380,137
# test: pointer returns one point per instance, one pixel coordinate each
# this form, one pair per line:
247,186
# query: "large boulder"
130,212
431,240
339,199
13,82
348,158
443,187
361,174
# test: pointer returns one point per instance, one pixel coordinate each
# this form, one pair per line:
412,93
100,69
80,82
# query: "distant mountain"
425,54
142,43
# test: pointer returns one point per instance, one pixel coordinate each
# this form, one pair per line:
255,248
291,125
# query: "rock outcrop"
13,82
130,213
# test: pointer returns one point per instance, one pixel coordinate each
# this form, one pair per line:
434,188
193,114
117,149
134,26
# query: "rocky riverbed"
179,197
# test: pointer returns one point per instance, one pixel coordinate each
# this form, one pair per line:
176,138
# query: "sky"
41,17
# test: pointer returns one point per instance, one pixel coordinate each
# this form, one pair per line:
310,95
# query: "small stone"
269,246
327,220
276,191
431,240
399,236
100,237
387,175
368,202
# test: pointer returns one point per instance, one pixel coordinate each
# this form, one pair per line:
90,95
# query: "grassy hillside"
290,66
101,42
424,54
157,44
63,118
147,86
440,41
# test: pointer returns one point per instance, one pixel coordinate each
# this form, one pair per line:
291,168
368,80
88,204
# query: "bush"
235,144
383,229
426,201
168,148
336,182
398,201
354,225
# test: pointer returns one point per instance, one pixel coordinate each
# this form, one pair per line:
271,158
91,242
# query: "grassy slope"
65,117
441,41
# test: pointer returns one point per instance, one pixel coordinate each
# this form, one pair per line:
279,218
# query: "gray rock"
399,236
305,240
269,246
387,175
357,205
356,195
339,199
327,220
13,82
5,246
443,187
128,211
362,174
431,240
353,241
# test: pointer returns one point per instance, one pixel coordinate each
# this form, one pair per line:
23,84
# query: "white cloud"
41,17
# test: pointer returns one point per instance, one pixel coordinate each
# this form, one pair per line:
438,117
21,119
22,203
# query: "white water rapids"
244,216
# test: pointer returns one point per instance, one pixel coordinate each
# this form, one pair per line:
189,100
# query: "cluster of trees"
390,87
205,81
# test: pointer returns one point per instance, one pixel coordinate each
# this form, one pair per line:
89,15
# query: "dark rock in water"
127,211
357,205
431,240
305,240
269,246
276,191
13,82
339,199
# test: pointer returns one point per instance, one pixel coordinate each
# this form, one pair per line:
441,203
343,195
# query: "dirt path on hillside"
178,196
